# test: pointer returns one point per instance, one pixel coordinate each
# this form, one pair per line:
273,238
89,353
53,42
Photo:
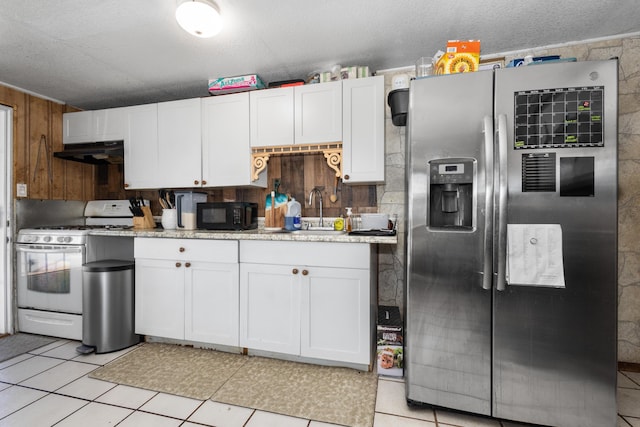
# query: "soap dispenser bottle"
348,226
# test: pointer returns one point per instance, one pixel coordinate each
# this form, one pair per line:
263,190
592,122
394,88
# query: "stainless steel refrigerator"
512,263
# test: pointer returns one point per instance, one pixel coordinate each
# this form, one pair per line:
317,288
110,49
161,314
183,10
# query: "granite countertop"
257,234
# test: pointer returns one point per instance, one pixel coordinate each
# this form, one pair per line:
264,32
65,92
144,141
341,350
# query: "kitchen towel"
534,255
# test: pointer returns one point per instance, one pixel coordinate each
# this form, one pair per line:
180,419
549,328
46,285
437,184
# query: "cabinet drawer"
342,255
186,249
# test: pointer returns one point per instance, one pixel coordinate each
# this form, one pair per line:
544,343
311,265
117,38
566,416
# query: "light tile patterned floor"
49,386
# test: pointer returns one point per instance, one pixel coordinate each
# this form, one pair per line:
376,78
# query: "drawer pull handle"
295,271
187,264
178,264
181,249
305,272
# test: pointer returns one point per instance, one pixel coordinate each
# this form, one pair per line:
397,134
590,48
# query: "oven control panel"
52,237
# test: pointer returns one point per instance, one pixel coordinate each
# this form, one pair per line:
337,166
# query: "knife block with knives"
142,217
146,221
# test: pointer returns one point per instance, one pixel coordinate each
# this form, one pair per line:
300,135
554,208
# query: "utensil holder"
169,219
144,222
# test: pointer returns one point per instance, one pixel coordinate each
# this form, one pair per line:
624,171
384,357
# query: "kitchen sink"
322,231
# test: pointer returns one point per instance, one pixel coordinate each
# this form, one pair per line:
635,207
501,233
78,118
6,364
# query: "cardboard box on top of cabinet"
461,56
390,342
225,85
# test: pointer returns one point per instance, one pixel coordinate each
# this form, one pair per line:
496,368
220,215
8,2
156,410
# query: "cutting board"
274,211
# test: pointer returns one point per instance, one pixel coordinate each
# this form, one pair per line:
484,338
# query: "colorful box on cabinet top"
390,342
461,56
224,85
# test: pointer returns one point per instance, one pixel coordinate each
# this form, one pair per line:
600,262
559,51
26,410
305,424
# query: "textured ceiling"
108,53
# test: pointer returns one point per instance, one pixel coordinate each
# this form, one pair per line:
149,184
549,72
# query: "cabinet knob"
187,264
294,271
178,264
346,177
204,182
196,182
126,186
305,272
181,249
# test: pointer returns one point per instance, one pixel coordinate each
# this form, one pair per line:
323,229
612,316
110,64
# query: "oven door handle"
49,249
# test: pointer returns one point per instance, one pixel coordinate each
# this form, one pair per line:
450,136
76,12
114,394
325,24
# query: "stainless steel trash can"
108,306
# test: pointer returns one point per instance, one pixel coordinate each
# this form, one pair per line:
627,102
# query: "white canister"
189,220
169,219
400,81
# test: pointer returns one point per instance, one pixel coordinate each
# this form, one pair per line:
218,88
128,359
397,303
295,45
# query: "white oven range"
49,264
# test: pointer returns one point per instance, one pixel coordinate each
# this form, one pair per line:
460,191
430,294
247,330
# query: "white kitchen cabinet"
77,127
335,314
179,144
187,289
141,162
318,113
93,126
272,117
306,114
159,297
308,299
226,150
270,307
363,130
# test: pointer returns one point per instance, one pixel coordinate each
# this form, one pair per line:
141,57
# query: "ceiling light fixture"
199,17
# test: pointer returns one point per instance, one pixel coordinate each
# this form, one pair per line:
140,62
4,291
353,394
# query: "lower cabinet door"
270,307
335,314
211,303
159,291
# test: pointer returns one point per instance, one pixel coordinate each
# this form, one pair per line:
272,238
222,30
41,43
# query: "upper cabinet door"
141,147
363,130
109,124
272,117
226,150
318,113
77,127
179,143
94,126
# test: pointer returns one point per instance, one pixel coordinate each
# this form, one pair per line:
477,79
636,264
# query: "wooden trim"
332,153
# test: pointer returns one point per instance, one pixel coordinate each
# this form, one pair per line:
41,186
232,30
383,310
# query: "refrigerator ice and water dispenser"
451,193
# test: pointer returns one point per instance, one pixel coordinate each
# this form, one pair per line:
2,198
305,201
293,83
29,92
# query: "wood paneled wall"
298,174
37,127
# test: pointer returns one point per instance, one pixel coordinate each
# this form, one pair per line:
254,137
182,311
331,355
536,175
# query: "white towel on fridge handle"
534,255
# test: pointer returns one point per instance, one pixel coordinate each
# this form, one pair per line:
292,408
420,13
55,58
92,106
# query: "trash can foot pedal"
85,349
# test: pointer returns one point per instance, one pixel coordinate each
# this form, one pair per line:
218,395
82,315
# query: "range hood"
96,153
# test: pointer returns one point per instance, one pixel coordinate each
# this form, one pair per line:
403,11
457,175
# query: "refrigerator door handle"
501,279
487,268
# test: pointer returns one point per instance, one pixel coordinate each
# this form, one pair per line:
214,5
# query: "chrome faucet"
318,191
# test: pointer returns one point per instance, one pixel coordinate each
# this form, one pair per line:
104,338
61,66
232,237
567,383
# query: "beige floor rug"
334,395
172,369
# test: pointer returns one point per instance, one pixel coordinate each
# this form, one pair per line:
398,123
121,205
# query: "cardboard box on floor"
390,342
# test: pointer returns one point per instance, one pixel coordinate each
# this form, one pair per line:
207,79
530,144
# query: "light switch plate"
21,190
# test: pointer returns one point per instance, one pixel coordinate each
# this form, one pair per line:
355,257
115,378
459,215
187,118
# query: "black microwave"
227,216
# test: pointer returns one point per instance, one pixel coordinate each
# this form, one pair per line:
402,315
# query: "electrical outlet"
21,190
